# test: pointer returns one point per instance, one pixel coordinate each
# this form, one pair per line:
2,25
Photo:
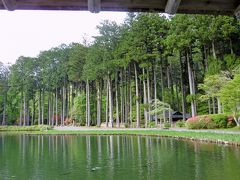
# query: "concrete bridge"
224,7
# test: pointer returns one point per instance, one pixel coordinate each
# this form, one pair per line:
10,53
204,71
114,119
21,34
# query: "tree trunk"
130,102
191,86
213,50
98,105
231,46
116,98
49,109
177,95
162,80
209,107
21,108
137,97
110,101
4,108
126,97
107,101
87,104
39,107
42,107
63,104
66,99
148,95
145,99
56,106
33,112
122,99
155,94
24,109
53,109
183,88
28,113
219,105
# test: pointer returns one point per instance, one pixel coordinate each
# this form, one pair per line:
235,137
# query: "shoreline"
224,137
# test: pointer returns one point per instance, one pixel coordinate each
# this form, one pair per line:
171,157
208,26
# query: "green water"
114,157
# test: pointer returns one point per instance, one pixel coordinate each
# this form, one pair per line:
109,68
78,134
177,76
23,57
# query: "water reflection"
114,157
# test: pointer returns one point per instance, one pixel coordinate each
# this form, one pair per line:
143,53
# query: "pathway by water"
75,128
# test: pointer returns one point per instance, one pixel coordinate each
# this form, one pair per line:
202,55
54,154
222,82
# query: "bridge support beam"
172,6
9,5
94,6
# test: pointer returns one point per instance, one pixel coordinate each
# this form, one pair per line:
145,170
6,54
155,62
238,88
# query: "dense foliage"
189,62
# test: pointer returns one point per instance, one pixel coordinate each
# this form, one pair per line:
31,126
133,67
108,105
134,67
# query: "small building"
176,115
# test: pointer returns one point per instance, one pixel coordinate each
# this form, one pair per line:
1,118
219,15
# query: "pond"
114,157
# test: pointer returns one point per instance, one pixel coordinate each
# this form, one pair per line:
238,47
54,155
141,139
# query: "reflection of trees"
113,157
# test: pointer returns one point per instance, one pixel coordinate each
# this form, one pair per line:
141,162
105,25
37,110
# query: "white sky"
26,33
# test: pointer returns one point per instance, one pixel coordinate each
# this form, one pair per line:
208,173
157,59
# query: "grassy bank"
24,128
220,138
201,136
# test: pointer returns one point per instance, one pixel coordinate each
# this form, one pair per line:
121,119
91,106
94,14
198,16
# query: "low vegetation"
25,128
211,121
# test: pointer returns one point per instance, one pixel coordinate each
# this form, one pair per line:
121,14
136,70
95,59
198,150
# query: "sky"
26,33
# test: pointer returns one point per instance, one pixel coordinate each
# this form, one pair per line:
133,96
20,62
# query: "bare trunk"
49,109
162,79
145,99
130,102
33,112
148,95
63,104
237,120
155,94
183,89
126,97
231,46
219,105
53,109
87,105
110,102
56,106
137,97
24,109
191,86
39,108
213,50
4,108
209,107
107,101
98,105
122,99
42,119
21,108
116,98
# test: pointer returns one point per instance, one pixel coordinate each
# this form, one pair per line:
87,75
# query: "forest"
130,75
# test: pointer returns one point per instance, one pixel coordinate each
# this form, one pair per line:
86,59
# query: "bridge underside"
225,7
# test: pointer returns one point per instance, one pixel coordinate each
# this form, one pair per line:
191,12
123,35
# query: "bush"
167,125
151,124
180,123
200,122
25,128
220,119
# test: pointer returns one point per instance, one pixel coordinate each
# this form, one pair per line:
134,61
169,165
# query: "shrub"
25,128
220,119
180,123
200,122
166,125
151,124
